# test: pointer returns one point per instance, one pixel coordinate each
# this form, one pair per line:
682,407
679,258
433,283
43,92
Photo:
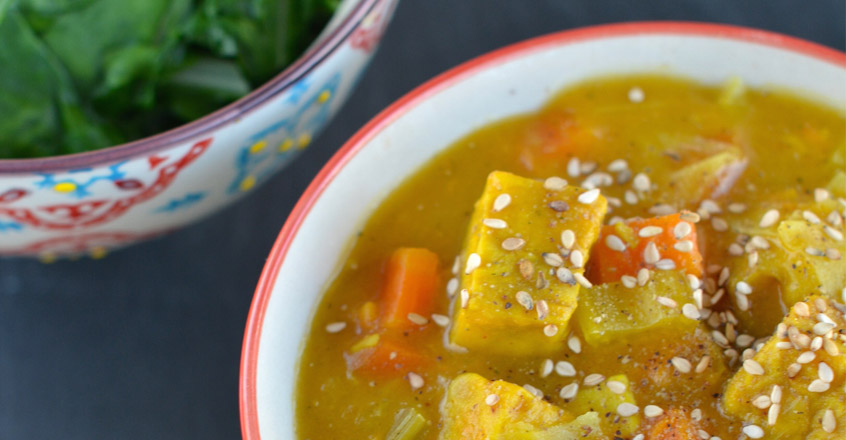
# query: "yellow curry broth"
676,124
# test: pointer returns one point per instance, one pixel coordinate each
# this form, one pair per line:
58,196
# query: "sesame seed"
718,296
440,320
577,258
630,197
565,369
684,246
491,399
724,276
665,264
743,287
689,216
573,167
735,250
805,357
710,206
833,233
801,309
762,402
719,224
681,364
456,265
642,276
649,231
559,205
667,302
628,281
575,344
593,379
626,409
693,281
753,431
752,367
742,301
417,319
546,368
719,338
565,276
662,209
818,386
696,415
814,251
335,327
525,300
501,202
744,340
822,328
783,345
582,280
543,310
616,387
816,343
753,259
636,95
736,208
820,195
617,165
495,223
513,243
415,381
569,391
552,259
550,330
650,254
615,243
473,263
825,372
690,311
527,269
651,411
811,217
820,304
772,414
555,183
831,347
641,182
533,391
769,218
703,364
699,298
638,437
832,254
829,423
759,242
452,287
834,218
775,394
465,298
588,197
568,238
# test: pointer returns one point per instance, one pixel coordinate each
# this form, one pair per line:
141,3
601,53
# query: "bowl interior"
514,80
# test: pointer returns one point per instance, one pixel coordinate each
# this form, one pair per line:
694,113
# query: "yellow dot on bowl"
47,258
303,140
248,183
286,145
324,96
65,187
99,252
258,146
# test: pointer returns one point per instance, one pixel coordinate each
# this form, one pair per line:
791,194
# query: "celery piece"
408,424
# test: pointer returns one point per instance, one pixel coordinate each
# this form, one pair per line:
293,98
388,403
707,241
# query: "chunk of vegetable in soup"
725,212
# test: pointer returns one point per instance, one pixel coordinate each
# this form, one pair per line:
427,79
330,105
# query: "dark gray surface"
145,344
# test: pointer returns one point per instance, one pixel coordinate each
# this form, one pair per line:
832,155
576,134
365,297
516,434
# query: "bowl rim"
267,280
301,67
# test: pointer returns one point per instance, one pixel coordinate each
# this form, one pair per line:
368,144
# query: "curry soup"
619,264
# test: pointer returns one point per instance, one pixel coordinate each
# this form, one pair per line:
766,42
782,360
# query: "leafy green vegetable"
79,75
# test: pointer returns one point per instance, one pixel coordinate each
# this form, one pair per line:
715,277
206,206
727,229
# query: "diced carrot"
377,356
553,137
675,424
608,264
410,281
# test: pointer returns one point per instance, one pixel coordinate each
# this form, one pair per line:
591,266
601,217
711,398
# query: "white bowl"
91,202
516,79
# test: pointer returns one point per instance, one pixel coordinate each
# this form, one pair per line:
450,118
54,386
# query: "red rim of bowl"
307,62
252,335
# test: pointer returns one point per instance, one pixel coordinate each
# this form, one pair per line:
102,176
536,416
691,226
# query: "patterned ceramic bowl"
514,80
92,202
